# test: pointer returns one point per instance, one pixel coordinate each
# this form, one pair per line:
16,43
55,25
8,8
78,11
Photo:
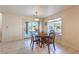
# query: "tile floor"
23,47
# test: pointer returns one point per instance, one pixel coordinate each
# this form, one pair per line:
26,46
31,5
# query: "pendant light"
36,18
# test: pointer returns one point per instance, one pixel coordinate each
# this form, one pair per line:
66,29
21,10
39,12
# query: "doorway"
31,28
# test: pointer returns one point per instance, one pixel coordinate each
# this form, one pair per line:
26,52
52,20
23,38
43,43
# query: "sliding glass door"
32,28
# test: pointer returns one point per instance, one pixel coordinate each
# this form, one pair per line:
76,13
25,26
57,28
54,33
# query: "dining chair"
51,40
35,39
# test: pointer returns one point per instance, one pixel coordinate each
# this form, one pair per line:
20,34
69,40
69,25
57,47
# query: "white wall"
0,27
11,27
70,26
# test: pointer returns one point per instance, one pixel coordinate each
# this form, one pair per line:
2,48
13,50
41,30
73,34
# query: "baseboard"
11,41
70,47
67,45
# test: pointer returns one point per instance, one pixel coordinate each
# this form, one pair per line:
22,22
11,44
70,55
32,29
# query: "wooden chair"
35,39
51,40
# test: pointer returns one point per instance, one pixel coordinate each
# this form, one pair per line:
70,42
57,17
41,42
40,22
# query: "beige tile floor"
23,47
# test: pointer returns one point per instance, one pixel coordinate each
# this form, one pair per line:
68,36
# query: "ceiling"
29,10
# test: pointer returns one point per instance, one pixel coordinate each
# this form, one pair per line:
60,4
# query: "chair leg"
32,45
48,48
54,45
39,43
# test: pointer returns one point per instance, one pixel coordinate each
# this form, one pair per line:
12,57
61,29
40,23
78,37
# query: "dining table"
43,39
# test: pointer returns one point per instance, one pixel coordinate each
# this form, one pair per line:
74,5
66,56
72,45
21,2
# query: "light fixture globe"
36,19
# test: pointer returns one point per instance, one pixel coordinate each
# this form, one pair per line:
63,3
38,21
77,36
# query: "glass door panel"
33,28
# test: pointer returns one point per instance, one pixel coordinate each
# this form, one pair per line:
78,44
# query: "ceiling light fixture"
36,18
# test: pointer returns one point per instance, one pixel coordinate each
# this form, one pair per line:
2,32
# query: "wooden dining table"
43,39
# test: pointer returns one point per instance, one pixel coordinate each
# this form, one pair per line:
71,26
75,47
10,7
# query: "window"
55,25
